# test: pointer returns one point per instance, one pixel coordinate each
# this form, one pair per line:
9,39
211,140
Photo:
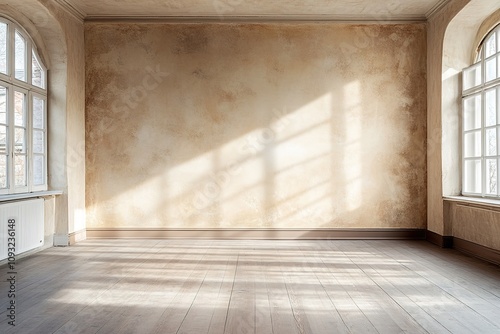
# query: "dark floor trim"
440,240
160,233
476,250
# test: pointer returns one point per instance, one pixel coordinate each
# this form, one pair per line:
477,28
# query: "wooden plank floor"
223,286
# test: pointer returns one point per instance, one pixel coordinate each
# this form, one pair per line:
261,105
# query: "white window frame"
480,89
9,81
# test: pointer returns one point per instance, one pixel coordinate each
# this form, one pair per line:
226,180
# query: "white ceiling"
365,10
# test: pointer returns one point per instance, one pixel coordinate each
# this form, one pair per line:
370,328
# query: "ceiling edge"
258,18
70,8
436,8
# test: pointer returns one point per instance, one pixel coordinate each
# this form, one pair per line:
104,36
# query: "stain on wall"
255,125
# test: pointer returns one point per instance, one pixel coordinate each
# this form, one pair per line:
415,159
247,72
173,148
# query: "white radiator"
29,224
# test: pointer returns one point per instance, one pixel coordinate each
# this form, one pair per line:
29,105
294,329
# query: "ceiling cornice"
436,8
256,18
72,9
76,11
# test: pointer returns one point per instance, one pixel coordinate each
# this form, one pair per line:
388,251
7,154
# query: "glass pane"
472,76
38,113
472,112
20,170
20,141
491,142
3,171
472,176
38,170
3,47
472,144
38,74
3,105
491,176
3,138
491,107
20,57
38,142
491,47
20,108
491,69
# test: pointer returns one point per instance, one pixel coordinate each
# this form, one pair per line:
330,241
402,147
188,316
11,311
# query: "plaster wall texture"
437,26
255,125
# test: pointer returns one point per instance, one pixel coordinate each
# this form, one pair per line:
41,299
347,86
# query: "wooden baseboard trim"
161,233
476,250
440,240
77,236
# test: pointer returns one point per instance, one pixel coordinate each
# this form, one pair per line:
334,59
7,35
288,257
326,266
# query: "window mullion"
10,140
497,91
483,145
29,142
29,61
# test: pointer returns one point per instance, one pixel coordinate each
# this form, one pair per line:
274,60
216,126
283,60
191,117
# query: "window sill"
474,201
36,194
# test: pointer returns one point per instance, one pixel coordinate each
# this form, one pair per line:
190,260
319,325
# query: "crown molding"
76,11
436,8
72,9
257,18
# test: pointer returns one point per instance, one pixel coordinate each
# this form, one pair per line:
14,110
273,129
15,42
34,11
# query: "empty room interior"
249,166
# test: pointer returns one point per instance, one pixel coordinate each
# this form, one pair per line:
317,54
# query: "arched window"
23,112
481,120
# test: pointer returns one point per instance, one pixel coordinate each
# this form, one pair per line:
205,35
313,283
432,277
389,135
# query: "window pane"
3,47
491,176
472,144
491,47
472,112
472,76
20,141
20,170
38,170
3,139
3,105
20,108
38,74
491,107
38,113
472,173
491,69
20,57
3,171
38,142
491,142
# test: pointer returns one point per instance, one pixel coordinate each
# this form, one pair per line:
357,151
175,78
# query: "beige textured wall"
255,125
75,126
436,31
